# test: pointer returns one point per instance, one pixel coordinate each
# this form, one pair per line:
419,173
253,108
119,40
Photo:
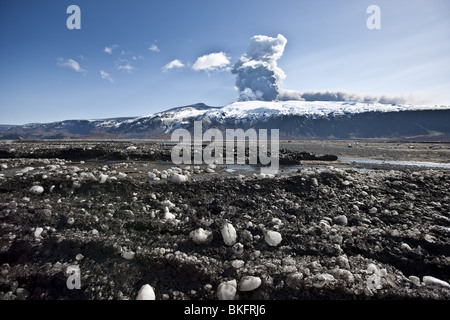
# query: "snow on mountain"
295,119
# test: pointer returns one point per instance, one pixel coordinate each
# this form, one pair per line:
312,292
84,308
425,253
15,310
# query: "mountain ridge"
294,119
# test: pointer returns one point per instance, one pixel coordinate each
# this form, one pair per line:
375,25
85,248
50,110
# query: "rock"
373,210
79,257
343,274
200,236
342,262
146,293
415,280
178,178
432,281
102,178
249,283
237,264
320,280
38,231
227,290
128,255
272,238
340,220
36,190
121,175
229,234
294,280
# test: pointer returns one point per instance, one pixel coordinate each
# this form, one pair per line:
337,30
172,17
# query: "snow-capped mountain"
294,119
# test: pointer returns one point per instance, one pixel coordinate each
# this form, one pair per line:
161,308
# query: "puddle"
398,163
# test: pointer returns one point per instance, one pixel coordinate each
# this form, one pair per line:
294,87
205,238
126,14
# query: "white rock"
131,148
151,175
415,280
200,236
168,204
129,255
36,190
272,238
168,215
227,290
432,281
38,231
209,170
121,175
229,234
249,283
211,166
102,178
340,220
237,264
179,178
146,293
79,257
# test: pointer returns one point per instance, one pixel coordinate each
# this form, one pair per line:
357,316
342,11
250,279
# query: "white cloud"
110,48
211,62
173,64
69,63
154,48
106,76
128,68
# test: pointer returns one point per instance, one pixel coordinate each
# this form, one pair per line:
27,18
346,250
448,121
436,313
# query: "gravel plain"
126,217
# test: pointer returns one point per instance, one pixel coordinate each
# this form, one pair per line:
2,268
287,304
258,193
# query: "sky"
135,58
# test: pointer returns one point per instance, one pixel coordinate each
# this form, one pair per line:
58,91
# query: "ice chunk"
200,236
36,190
227,290
432,281
38,232
146,293
178,178
272,238
229,234
249,283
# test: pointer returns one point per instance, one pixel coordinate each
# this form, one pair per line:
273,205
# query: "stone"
340,220
36,190
229,234
227,290
237,264
249,283
435,282
294,280
272,238
128,255
38,232
146,293
200,236
342,262
178,178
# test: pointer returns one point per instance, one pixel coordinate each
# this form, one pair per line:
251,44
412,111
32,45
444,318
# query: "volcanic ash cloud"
258,76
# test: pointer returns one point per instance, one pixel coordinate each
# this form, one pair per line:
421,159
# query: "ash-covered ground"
323,229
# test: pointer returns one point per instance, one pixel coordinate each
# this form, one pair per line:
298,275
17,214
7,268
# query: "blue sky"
51,73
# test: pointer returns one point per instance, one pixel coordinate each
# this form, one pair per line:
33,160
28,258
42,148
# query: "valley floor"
348,230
